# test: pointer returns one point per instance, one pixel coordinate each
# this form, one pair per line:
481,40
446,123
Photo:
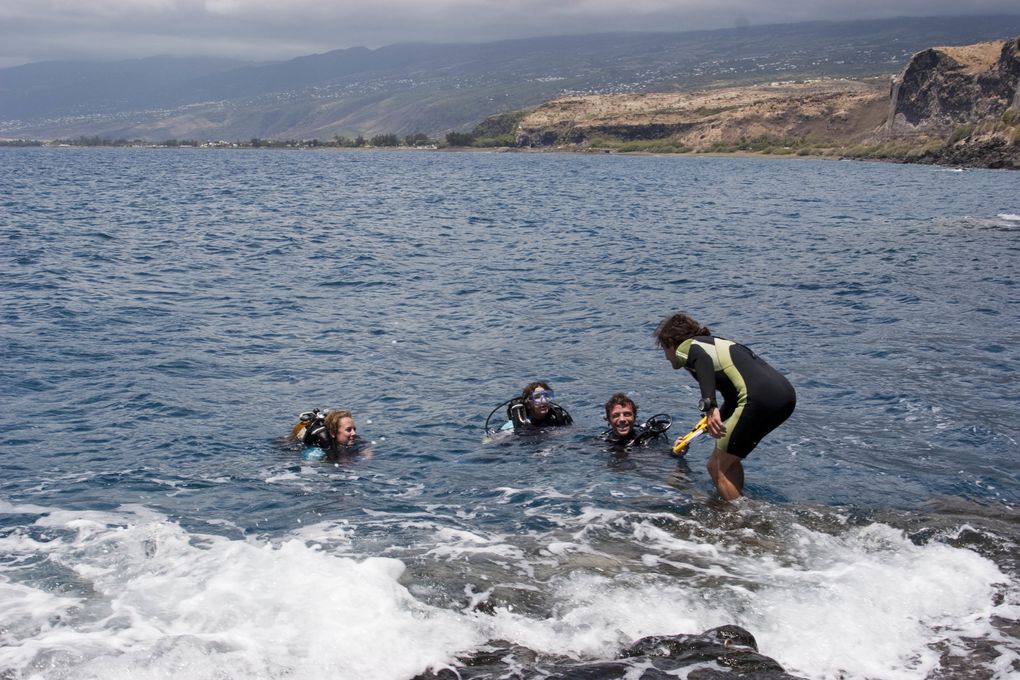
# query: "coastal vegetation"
418,140
20,142
495,132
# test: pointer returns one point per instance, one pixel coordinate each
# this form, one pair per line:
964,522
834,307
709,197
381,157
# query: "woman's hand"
715,425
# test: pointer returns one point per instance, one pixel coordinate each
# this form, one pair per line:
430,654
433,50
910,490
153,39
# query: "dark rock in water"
497,652
602,670
732,650
672,645
729,646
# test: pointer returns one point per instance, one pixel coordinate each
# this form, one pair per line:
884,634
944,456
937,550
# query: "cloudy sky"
259,30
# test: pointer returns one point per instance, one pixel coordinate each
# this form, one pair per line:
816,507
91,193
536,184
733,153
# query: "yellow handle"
687,438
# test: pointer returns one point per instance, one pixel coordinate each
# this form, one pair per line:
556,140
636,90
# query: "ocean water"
166,314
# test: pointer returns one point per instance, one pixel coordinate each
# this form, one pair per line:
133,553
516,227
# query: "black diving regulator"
658,424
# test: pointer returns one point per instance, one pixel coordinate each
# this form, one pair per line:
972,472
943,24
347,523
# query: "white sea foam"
158,602
868,603
1009,217
143,598
864,603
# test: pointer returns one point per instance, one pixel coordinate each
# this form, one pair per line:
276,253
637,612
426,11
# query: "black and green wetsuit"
756,397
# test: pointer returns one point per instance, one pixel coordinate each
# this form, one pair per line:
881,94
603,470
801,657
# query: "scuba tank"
315,432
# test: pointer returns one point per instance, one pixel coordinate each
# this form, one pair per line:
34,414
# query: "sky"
269,30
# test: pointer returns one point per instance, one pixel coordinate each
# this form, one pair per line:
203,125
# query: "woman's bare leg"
727,472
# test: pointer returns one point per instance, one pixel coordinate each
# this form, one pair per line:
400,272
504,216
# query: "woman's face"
671,356
346,432
539,401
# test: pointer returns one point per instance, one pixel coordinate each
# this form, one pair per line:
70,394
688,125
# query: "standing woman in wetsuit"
756,397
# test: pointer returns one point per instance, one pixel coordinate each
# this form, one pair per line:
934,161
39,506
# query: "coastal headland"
953,105
950,105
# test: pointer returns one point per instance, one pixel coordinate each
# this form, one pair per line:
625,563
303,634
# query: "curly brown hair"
673,330
620,399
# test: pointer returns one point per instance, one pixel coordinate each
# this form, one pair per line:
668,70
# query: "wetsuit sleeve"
701,365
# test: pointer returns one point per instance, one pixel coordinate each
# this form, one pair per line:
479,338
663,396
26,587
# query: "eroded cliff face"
944,87
832,109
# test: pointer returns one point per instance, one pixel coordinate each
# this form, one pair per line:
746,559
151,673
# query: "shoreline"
32,144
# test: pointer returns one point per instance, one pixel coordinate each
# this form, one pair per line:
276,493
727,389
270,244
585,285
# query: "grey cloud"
36,30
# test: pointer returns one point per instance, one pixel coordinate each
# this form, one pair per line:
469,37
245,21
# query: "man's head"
621,412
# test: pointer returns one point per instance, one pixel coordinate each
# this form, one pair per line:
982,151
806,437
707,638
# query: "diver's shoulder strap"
560,415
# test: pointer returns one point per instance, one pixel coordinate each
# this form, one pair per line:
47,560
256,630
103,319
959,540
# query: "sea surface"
165,315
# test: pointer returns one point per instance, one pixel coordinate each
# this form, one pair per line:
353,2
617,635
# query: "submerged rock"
726,652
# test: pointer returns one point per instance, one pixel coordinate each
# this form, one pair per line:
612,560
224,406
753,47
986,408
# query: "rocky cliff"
953,105
822,110
944,87
967,96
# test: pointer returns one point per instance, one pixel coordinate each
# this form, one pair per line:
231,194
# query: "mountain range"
437,88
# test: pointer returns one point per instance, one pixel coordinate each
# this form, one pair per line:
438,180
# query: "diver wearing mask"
531,412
